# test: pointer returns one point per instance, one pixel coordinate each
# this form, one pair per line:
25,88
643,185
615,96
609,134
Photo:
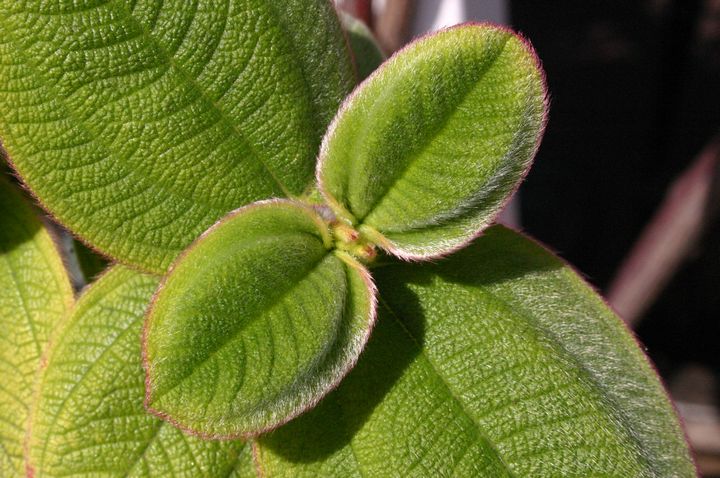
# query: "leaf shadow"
483,264
323,431
15,235
398,339
15,210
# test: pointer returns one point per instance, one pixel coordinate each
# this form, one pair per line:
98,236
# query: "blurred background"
626,183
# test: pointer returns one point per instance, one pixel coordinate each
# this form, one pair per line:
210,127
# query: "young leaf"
499,361
365,49
427,150
35,294
255,322
89,419
139,124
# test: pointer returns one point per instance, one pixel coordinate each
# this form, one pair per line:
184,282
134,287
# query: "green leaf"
35,294
255,322
89,418
425,153
139,124
363,45
499,361
244,465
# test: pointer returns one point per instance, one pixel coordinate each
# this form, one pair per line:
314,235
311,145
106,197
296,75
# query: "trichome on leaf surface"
300,286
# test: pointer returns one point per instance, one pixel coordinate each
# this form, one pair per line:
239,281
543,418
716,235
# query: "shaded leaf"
91,264
497,362
35,294
255,322
89,418
365,48
425,152
139,124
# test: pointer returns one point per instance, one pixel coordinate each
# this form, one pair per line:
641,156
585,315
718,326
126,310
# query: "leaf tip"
537,62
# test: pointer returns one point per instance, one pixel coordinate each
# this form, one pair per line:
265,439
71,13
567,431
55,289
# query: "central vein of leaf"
170,60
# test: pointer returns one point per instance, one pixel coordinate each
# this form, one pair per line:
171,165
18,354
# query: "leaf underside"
497,362
89,418
35,294
139,124
426,151
255,323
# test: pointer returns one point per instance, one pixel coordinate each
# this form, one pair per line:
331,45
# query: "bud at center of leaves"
353,242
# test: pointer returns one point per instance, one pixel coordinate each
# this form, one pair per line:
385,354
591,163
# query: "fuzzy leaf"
499,361
426,151
139,124
89,418
255,322
366,51
35,294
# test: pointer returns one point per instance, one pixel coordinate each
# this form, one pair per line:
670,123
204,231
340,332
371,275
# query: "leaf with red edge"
35,294
255,322
424,154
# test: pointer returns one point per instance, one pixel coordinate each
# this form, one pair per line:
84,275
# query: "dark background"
635,91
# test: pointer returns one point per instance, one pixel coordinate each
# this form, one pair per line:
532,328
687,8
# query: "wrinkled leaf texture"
139,124
35,294
499,361
88,418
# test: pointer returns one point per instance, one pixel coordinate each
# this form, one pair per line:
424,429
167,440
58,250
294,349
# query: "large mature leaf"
427,150
35,294
255,322
89,418
138,124
497,362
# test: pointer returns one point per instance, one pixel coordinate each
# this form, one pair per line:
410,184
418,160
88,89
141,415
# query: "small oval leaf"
427,150
499,361
255,322
89,418
35,294
140,124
